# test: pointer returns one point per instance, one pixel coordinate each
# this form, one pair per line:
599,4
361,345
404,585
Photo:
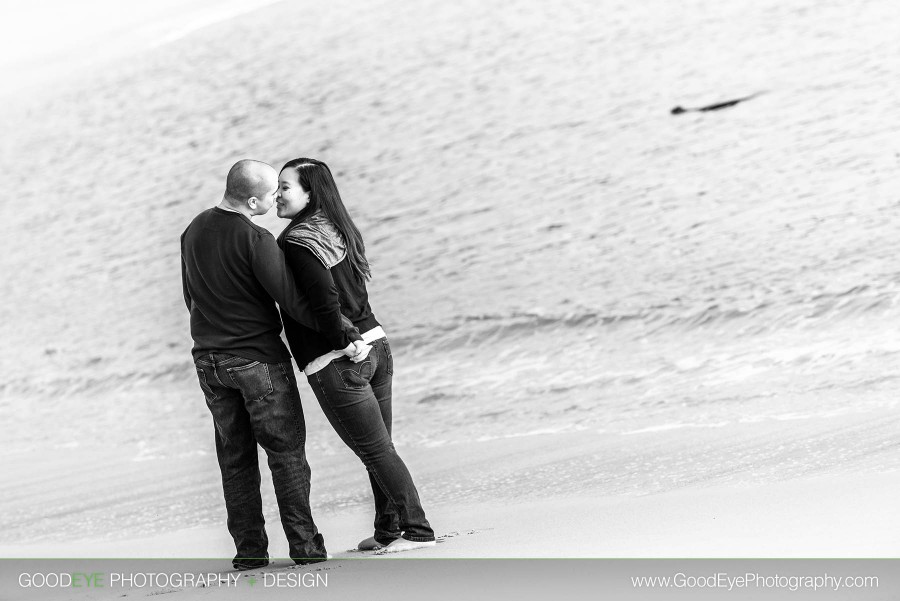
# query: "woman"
325,251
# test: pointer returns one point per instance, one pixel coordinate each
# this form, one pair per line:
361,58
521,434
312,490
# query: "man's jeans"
253,402
356,398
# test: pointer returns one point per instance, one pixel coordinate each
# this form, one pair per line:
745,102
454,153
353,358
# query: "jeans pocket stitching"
243,367
268,387
356,385
204,386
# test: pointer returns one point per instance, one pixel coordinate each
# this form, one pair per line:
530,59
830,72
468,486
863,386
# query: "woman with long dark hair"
325,251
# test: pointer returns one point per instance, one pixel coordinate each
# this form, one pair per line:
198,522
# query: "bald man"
233,273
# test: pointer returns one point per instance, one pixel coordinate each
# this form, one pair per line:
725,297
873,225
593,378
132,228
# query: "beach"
494,540
536,498
496,534
618,332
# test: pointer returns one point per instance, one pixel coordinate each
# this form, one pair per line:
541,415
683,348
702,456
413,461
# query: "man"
233,273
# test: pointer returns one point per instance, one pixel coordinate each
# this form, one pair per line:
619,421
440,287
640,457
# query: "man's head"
251,187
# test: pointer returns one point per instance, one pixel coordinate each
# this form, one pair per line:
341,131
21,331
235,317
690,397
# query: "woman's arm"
315,282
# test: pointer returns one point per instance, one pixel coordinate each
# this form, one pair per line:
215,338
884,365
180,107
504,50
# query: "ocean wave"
759,317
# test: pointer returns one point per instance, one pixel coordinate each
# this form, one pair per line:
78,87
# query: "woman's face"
291,197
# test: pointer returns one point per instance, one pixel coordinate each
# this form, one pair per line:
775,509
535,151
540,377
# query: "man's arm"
184,283
270,269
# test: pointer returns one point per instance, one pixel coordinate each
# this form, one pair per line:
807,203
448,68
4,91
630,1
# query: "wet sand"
841,515
583,494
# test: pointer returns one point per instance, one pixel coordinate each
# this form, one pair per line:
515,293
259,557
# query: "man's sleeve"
272,272
184,282
318,286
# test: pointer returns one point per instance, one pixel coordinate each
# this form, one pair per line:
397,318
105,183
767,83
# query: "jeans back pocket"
253,380
358,376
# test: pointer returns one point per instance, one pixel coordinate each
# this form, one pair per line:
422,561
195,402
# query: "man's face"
266,199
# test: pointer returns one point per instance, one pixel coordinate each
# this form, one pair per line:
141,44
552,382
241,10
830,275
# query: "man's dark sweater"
233,273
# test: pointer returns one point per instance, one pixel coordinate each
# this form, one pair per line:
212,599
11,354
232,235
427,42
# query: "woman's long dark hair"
315,177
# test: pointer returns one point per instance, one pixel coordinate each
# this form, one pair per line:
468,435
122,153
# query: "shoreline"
838,515
574,546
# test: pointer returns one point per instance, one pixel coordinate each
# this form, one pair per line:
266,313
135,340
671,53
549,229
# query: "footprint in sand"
444,537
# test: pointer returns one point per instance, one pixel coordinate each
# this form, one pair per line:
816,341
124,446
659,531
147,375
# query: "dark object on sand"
713,107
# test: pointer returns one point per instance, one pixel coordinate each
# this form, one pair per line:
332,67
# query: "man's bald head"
251,179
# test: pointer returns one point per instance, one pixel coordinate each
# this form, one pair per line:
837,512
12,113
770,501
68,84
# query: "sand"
848,516
523,545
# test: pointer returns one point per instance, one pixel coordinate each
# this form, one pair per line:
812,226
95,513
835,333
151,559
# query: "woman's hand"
357,351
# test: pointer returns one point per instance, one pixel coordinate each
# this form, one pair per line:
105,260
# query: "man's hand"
357,351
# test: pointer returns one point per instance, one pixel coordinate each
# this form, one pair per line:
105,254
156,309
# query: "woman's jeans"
356,398
253,402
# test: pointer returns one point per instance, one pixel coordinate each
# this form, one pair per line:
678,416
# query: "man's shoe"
243,564
305,561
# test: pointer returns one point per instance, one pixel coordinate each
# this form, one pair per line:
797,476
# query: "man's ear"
252,201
